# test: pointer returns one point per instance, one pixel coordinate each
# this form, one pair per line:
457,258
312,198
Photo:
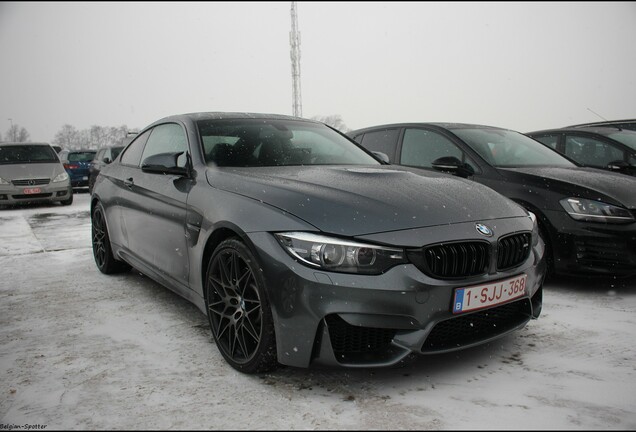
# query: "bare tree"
94,137
17,134
333,120
68,137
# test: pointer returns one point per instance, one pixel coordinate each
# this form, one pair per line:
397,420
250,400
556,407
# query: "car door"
155,213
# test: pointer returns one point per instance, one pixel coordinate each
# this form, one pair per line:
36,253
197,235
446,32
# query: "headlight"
338,255
60,177
595,211
3,181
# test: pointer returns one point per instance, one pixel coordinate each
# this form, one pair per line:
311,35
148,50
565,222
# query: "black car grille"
348,341
31,182
513,250
475,327
601,253
32,196
453,260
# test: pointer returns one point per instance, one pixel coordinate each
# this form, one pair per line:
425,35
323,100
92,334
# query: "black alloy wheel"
102,252
238,309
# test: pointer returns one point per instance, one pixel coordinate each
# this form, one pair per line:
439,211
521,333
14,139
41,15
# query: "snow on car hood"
357,200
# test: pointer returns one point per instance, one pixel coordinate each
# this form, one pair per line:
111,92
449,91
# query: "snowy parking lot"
82,350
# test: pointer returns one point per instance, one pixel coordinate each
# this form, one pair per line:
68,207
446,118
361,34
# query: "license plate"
29,191
494,293
85,178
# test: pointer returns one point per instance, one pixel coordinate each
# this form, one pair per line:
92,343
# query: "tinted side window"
383,141
549,140
420,148
590,151
167,138
132,155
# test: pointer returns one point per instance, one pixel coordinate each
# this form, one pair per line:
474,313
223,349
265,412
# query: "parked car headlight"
338,255
595,211
3,181
60,177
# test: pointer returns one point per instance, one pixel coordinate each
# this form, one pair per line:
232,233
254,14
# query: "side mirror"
451,164
164,163
383,157
618,165
107,160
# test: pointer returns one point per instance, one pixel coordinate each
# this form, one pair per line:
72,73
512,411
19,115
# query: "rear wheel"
238,309
102,252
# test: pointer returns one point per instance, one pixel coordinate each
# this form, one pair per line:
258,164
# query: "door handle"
129,182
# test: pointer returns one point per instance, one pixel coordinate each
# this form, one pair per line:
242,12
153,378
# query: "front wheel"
238,309
102,251
67,202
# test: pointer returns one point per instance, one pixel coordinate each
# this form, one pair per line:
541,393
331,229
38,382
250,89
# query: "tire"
102,251
67,202
238,309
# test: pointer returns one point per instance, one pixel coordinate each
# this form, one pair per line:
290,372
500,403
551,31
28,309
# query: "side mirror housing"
451,164
618,165
164,163
383,157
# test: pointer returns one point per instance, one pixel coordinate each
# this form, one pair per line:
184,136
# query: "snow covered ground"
81,350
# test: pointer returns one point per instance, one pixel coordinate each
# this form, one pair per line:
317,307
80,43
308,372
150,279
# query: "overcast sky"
523,66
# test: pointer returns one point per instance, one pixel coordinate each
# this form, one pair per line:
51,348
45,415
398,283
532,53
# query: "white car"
32,172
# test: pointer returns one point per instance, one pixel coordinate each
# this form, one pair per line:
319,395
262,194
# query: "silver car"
32,172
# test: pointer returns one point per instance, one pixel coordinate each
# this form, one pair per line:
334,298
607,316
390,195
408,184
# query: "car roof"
602,123
443,125
599,130
195,116
24,143
81,151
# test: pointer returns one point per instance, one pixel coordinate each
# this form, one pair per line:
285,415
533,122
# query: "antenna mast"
294,41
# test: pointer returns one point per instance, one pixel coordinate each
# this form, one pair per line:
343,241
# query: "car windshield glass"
258,142
506,148
27,154
625,137
81,156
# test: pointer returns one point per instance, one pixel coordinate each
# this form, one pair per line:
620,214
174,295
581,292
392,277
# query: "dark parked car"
587,216
601,147
629,124
32,172
76,163
102,158
303,249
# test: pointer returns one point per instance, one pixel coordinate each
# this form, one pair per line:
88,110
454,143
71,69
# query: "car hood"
590,183
357,200
30,170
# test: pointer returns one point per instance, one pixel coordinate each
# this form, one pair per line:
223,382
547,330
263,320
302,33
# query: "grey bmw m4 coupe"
304,249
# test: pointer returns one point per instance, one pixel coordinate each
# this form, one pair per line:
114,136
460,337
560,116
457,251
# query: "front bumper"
337,319
51,192
592,248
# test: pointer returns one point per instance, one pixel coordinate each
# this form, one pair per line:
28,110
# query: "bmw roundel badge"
483,230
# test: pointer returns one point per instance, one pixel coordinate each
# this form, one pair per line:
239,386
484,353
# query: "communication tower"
294,41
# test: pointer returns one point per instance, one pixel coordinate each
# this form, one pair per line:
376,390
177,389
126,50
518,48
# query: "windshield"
625,137
505,148
259,142
16,154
